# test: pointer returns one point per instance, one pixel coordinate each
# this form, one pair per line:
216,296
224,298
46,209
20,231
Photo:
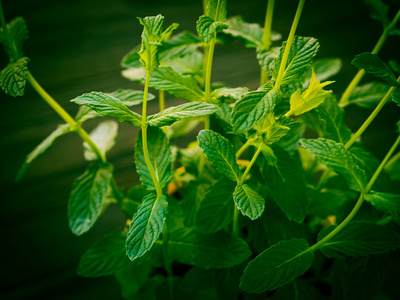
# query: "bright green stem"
208,70
267,36
392,161
205,2
253,160
65,116
289,45
161,100
144,137
371,117
235,222
344,100
360,199
242,149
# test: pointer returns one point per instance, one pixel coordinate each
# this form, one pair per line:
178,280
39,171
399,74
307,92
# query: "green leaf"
179,45
87,197
152,37
286,181
160,157
216,208
130,97
337,158
359,239
170,115
248,201
228,94
301,53
217,250
207,28
135,74
220,153
146,226
310,98
372,64
18,31
180,86
330,117
386,203
13,77
277,266
134,280
189,64
324,68
378,11
132,59
42,147
109,106
105,257
271,130
252,108
250,34
369,95
104,138
216,9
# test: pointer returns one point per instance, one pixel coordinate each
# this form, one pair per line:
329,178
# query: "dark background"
76,47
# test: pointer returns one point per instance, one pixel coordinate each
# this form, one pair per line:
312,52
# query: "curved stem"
208,70
371,117
289,42
360,199
253,160
144,137
65,116
344,100
242,149
267,36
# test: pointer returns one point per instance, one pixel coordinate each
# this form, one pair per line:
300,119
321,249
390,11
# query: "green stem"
371,117
344,100
161,100
242,149
392,161
267,36
208,70
360,199
144,137
253,160
235,222
205,2
65,116
289,45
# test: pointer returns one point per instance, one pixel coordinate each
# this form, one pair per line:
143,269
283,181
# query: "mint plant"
251,206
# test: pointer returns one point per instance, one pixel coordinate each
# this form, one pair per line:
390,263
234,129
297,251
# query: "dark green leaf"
378,11
252,108
42,147
170,115
286,182
277,266
207,28
133,279
337,158
220,153
13,77
18,31
105,257
109,106
87,197
302,51
131,59
386,203
248,201
372,64
369,94
131,97
146,226
104,137
160,158
216,208
217,250
180,86
359,239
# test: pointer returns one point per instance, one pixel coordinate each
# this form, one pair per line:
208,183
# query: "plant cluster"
251,206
